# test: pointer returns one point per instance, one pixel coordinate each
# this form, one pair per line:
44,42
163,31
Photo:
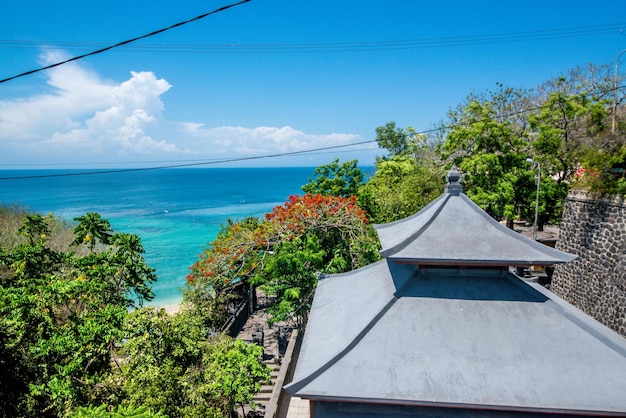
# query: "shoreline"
170,309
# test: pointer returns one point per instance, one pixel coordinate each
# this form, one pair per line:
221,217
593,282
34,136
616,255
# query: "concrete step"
272,365
258,320
262,398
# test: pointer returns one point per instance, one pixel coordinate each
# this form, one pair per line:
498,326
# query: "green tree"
15,372
291,274
158,351
563,126
235,374
571,130
61,315
309,235
604,170
491,152
398,141
399,188
133,273
336,179
35,229
313,225
92,229
173,366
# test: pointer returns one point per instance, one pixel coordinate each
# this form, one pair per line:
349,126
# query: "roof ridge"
391,250
295,386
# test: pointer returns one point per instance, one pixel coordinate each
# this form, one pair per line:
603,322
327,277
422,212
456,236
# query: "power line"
119,44
198,163
196,160
465,40
105,163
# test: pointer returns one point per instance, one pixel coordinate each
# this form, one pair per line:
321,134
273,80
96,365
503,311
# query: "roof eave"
451,405
473,263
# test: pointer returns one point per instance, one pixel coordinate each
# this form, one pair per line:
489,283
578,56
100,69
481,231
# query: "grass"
12,217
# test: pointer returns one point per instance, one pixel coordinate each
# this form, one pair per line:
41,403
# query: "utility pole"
535,227
613,122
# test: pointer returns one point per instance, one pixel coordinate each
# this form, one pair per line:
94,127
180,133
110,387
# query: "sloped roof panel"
478,341
456,231
343,306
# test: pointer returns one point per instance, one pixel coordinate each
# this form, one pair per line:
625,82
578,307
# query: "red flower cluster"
298,208
234,252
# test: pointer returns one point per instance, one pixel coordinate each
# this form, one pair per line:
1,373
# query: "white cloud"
83,118
87,115
261,140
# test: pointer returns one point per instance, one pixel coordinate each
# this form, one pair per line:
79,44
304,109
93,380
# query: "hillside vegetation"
76,341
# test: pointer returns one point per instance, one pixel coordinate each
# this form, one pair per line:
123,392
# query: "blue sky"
269,76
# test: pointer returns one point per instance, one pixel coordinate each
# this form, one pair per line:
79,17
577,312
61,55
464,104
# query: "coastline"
162,207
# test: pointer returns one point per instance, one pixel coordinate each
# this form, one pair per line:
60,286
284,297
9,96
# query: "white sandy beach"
171,309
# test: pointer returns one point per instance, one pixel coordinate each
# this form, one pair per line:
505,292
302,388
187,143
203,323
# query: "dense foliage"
69,346
284,254
61,313
399,188
336,179
75,340
563,127
171,365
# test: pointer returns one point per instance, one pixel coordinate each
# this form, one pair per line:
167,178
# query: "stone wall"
594,230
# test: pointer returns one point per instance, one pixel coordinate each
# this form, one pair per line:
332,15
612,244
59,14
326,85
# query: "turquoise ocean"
175,212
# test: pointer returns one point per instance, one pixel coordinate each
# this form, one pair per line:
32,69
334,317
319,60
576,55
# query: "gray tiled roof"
454,230
422,329
461,338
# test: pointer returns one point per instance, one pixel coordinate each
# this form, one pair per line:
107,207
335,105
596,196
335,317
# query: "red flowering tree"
339,224
231,258
285,253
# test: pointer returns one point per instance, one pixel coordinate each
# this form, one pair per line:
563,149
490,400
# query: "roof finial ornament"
453,186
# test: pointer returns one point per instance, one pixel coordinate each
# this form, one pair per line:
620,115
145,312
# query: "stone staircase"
257,331
263,397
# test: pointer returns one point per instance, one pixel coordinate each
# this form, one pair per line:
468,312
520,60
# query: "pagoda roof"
399,334
441,323
453,230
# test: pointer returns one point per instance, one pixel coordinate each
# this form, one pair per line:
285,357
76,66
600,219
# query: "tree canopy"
69,346
562,126
398,141
399,188
308,235
336,179
61,315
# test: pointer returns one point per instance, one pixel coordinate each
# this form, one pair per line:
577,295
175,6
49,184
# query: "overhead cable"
119,44
286,48
199,163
